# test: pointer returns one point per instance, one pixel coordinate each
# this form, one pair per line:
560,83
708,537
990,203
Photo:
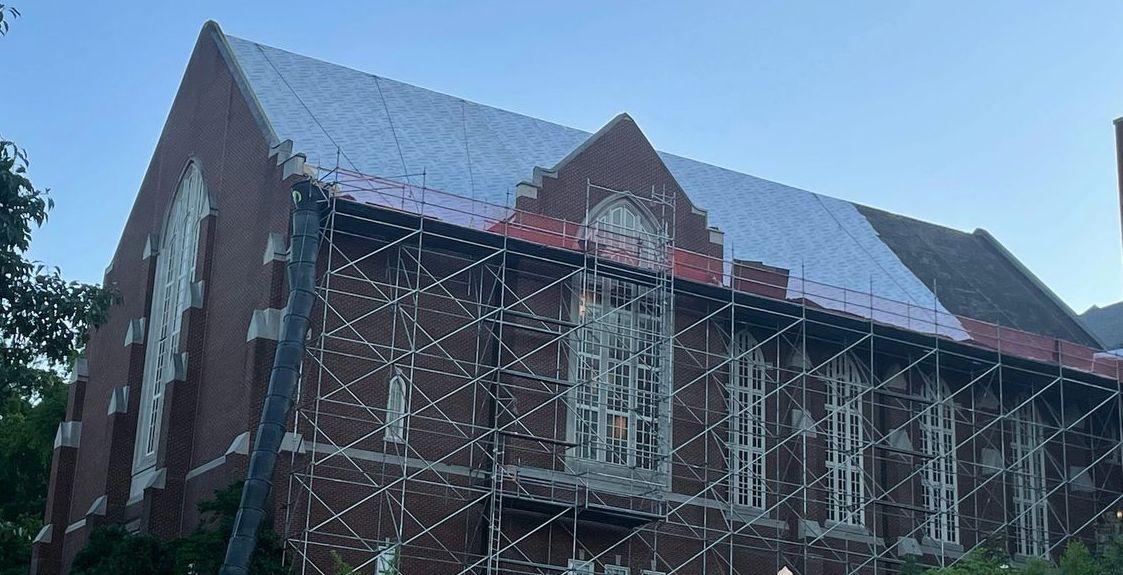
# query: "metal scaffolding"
500,329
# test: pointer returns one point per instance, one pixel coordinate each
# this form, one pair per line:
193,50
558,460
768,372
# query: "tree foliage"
339,566
1077,559
7,13
387,565
44,320
982,561
112,551
204,550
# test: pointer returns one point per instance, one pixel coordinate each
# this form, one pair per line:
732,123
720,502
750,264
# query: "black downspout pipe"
282,380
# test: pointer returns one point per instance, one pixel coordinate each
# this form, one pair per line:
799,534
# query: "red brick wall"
372,320
461,369
209,123
526,345
620,158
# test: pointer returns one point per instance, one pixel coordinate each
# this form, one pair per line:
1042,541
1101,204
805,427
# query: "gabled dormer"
614,191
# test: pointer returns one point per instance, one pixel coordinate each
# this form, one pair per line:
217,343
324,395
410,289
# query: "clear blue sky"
970,114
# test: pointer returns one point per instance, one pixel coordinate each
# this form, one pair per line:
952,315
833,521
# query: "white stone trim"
195,294
98,507
240,446
276,249
803,423
149,478
293,166
908,546
178,371
212,464
69,434
293,443
899,439
717,236
135,332
526,190
75,526
990,461
118,400
44,535
151,247
265,324
80,369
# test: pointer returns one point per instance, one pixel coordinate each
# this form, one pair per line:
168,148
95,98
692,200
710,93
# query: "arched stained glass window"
175,271
622,233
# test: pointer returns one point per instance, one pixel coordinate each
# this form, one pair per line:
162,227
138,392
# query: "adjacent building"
537,350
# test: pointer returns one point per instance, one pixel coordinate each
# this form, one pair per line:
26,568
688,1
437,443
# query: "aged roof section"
341,117
1107,323
974,278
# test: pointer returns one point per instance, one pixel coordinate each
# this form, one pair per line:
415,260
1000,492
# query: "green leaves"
1076,560
112,551
204,550
6,14
44,321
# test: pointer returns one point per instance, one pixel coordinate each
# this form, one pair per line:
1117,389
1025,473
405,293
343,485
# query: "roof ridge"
920,221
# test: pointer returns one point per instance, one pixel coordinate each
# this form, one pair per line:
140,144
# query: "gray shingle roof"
1107,323
342,117
974,278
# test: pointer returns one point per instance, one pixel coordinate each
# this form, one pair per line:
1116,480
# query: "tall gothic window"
938,477
175,270
845,437
618,367
1031,507
747,422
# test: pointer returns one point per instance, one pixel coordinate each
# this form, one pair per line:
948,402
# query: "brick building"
537,350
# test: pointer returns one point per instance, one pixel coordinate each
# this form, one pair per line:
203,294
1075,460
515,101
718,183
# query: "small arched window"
175,271
397,407
747,416
845,440
939,475
621,232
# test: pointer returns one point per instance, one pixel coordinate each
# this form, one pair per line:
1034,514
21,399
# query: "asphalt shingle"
342,117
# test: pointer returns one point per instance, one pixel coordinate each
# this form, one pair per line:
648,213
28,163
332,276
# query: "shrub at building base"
114,551
1076,560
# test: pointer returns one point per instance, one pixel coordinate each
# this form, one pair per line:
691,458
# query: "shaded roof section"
1107,323
341,117
973,276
